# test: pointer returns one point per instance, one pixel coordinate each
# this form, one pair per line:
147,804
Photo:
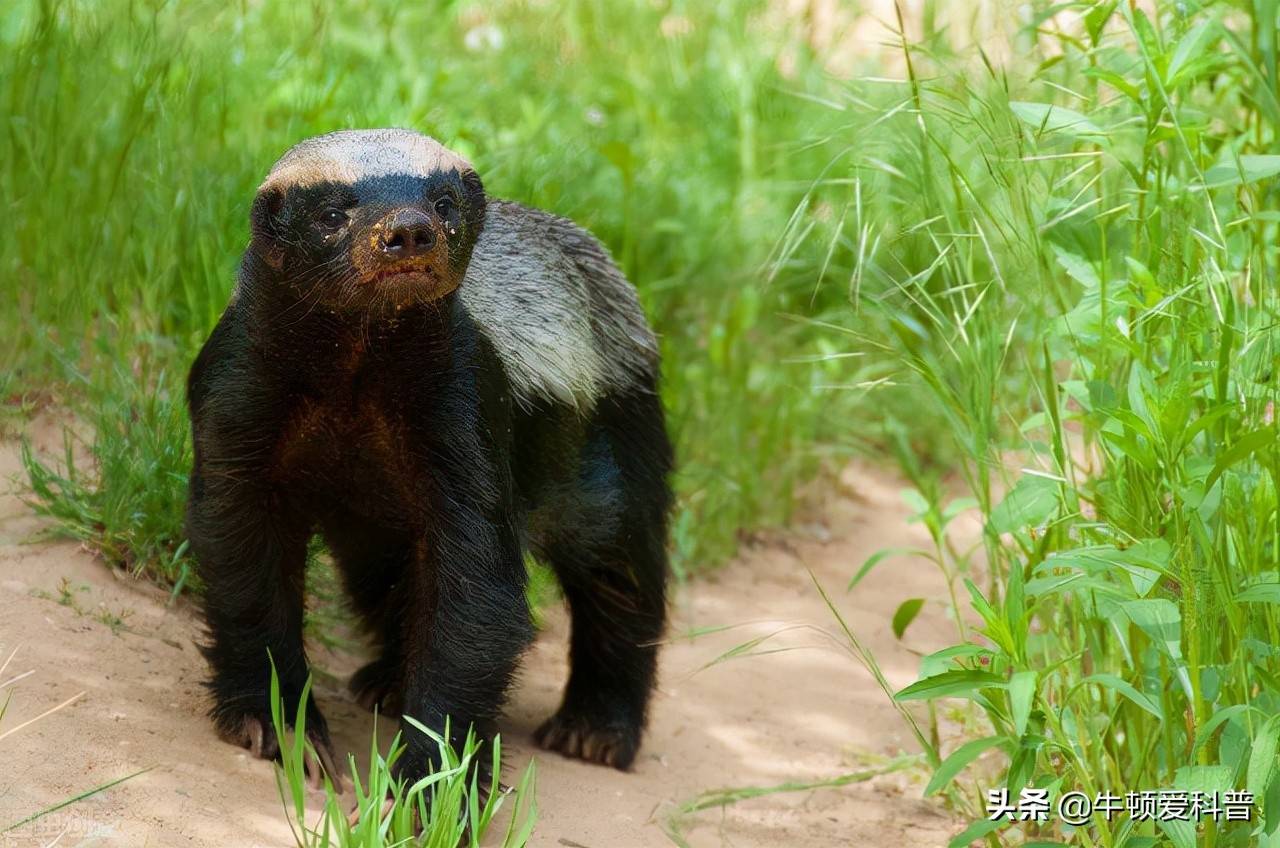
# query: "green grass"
127,500
445,809
1071,264
140,130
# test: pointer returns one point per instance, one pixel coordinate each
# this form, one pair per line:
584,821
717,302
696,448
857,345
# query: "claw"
353,818
578,736
259,737
376,687
254,734
254,729
319,761
368,700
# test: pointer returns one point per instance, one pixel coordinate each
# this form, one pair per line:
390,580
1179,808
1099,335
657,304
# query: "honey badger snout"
404,234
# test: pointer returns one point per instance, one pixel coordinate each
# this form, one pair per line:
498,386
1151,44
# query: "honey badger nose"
406,233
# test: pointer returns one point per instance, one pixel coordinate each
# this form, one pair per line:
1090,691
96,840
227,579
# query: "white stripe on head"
350,155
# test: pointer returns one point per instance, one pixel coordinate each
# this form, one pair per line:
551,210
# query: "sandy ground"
795,715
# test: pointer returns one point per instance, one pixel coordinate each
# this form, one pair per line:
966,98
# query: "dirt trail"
802,714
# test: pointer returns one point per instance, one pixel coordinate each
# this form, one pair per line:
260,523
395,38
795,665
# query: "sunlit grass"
1072,260
447,808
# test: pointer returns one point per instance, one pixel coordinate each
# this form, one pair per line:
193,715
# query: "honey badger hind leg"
610,558
376,685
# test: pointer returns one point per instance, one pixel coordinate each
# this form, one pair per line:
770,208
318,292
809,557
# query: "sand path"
795,715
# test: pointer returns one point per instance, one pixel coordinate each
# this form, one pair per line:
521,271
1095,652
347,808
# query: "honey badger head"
368,219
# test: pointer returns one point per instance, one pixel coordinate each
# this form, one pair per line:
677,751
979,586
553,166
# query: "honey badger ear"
264,224
264,216
475,204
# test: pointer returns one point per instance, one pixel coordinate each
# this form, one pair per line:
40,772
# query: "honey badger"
435,383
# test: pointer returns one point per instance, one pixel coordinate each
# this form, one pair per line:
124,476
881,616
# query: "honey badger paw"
258,735
588,738
376,686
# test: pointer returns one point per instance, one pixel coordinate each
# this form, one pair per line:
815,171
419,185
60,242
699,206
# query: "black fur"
387,424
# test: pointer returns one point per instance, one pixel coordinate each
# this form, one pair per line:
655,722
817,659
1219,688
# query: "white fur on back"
351,155
565,322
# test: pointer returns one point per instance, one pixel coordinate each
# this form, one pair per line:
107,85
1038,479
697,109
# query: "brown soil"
803,714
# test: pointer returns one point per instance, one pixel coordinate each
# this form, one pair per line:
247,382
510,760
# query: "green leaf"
1181,833
1244,447
1262,757
1117,82
1123,687
940,661
1045,586
1046,117
1260,593
1270,803
1077,267
997,629
915,500
1208,779
1249,168
1225,714
880,556
1032,501
974,832
1145,561
1015,607
959,760
1160,620
906,614
957,506
1192,46
950,684
1022,693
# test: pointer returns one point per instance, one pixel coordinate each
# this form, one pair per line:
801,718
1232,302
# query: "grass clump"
123,489
445,809
1071,258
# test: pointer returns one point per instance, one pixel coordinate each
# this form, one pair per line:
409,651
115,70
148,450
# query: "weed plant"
1071,256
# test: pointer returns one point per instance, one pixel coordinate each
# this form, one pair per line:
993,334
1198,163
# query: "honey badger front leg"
468,578
251,556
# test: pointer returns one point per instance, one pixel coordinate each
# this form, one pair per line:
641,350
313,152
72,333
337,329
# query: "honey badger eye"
444,206
333,218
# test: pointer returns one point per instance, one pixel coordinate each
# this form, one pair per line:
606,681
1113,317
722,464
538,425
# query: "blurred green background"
137,132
